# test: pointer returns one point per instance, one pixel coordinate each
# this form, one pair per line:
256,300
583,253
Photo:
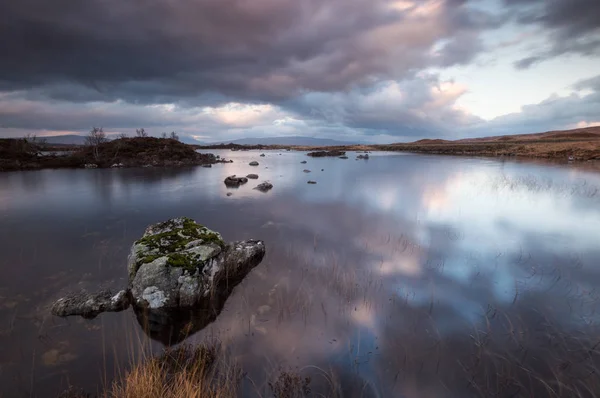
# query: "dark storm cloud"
573,26
254,50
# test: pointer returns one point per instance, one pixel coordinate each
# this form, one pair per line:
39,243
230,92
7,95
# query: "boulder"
233,181
89,305
176,265
252,176
264,187
179,263
253,163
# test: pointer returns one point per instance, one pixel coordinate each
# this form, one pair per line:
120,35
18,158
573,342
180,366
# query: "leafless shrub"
94,139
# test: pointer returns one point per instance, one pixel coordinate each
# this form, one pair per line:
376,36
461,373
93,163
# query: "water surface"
398,276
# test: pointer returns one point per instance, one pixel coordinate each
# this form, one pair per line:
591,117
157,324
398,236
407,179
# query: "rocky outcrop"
233,181
264,187
176,264
89,305
320,154
179,263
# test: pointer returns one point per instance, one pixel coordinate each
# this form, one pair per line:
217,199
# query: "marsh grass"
185,371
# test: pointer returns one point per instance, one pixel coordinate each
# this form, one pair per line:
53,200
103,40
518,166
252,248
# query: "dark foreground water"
400,276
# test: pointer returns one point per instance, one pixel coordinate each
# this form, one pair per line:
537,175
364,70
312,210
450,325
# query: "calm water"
399,276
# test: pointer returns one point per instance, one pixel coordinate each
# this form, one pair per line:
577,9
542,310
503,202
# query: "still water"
397,276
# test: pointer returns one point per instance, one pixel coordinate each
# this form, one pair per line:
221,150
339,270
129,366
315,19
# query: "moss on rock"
171,238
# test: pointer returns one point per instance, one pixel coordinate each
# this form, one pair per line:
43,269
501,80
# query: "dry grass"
183,372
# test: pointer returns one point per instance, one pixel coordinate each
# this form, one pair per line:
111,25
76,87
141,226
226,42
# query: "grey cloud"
259,50
528,62
571,25
553,113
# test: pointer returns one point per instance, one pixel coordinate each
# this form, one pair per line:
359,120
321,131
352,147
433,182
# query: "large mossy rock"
179,263
176,265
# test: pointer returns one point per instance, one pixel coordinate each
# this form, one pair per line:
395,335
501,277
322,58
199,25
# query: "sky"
375,71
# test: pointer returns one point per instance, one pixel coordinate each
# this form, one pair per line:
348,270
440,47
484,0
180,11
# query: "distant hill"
295,140
586,133
70,139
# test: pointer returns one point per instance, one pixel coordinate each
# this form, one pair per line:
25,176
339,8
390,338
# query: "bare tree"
174,136
121,136
141,133
163,135
94,139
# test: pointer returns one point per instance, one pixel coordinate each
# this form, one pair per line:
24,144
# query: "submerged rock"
264,187
233,181
253,163
319,154
252,176
89,305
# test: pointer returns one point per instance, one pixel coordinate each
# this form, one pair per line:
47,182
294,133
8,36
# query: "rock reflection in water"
172,326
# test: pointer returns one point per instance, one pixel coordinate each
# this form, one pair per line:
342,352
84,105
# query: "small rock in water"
233,181
229,194
253,163
322,169
343,157
264,187
89,305
306,171
366,156
207,165
90,166
303,162
252,176
115,165
311,182
262,155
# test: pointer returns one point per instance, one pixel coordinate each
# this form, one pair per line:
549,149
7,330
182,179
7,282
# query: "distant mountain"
70,139
295,140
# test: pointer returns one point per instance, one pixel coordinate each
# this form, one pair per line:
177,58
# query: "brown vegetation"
26,154
190,372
